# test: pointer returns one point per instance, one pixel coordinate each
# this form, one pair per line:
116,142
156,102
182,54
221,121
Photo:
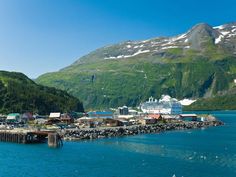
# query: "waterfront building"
2,118
166,105
121,122
27,117
100,114
170,116
147,121
55,115
13,117
66,118
54,118
188,117
133,112
115,122
125,116
77,115
123,110
155,116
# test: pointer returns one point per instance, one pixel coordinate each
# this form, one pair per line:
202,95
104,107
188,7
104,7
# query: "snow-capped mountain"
200,63
198,39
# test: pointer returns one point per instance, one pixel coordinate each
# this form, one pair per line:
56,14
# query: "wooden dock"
30,137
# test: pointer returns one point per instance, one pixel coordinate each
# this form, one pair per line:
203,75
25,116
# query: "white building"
166,105
55,115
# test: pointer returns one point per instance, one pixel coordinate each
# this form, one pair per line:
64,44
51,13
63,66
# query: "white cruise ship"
166,105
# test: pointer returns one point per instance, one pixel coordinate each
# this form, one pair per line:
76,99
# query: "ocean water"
207,152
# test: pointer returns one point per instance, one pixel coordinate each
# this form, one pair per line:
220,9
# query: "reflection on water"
221,159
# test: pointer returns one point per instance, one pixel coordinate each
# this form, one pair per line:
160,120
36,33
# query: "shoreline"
109,132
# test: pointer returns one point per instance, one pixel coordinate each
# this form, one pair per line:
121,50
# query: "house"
83,121
27,117
2,118
66,118
100,114
54,118
121,122
147,121
52,121
13,117
110,122
115,122
155,116
55,115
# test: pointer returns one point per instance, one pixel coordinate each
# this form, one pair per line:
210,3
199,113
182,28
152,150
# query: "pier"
105,132
31,137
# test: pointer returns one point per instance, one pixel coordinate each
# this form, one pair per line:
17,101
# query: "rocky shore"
104,132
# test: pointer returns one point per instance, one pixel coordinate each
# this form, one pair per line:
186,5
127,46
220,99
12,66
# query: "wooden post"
54,140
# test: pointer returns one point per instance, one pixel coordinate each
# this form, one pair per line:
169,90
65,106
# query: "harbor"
55,138
153,116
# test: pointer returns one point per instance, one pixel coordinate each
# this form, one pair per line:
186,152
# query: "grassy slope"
226,101
178,72
20,94
119,82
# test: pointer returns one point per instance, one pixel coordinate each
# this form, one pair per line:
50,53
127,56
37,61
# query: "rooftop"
55,115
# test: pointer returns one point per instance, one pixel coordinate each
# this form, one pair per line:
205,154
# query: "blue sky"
38,36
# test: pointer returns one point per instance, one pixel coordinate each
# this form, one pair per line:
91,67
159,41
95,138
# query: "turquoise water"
193,153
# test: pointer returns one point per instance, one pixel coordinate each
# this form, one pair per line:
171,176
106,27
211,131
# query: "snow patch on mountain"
183,36
223,33
127,56
169,47
226,31
218,40
219,27
187,102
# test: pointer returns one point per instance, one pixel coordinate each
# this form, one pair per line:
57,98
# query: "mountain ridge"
131,71
165,42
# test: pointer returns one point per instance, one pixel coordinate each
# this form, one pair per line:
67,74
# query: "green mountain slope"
200,63
227,101
117,83
19,94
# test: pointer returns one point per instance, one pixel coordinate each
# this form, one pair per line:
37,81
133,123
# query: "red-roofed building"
155,116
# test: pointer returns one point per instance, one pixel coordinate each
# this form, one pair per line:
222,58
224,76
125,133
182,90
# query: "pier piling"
54,140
